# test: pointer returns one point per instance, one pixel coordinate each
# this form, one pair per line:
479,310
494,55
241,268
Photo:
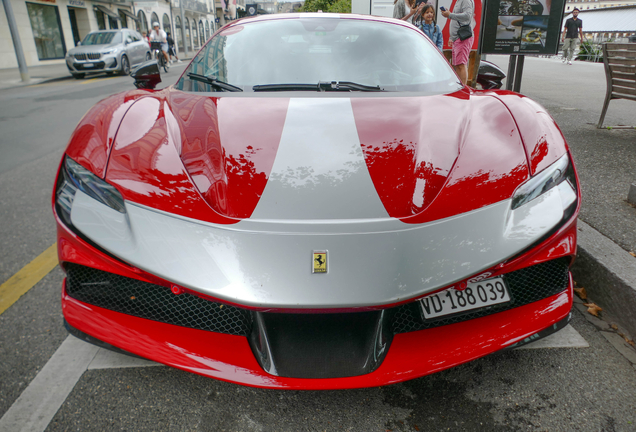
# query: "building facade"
583,5
49,28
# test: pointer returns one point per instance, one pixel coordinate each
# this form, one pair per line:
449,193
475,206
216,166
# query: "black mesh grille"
154,302
158,303
525,286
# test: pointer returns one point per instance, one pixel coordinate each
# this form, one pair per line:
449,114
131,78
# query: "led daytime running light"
542,182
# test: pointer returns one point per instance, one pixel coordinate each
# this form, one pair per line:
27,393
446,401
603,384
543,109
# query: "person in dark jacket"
171,50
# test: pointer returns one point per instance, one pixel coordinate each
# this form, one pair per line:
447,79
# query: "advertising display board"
522,26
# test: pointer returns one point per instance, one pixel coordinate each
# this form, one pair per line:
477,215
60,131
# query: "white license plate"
88,65
476,295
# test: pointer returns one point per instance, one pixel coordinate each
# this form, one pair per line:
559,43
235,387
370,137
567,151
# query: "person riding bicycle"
159,35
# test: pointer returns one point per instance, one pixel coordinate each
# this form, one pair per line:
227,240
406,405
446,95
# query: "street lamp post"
17,44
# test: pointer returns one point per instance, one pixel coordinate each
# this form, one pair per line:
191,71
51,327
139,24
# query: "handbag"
464,32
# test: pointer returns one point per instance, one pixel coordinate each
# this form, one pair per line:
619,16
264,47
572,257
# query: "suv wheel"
125,65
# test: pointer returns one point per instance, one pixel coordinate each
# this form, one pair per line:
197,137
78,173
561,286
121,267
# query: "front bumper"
103,64
230,358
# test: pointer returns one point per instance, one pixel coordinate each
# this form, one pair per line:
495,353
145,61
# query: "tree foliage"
334,6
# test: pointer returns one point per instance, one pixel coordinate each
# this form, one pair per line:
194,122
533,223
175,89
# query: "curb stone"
608,274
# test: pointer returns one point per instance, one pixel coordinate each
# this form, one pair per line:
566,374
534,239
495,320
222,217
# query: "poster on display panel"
522,26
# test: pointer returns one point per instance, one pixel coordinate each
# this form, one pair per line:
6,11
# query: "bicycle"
158,53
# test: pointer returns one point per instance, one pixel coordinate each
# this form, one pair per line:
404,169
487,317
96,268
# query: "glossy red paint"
229,162
230,358
93,137
541,136
192,155
145,166
412,151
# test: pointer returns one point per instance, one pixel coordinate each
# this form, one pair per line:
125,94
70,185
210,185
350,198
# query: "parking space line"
40,401
27,277
567,337
99,78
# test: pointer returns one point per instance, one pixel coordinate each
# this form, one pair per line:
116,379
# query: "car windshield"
280,54
102,38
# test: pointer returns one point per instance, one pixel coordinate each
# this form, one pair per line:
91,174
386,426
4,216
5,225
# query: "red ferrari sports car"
318,203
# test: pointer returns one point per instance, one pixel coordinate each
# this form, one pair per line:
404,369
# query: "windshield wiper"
321,87
214,82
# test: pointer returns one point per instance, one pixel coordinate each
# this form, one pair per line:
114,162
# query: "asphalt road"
587,389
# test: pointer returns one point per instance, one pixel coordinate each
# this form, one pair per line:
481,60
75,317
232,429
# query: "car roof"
319,15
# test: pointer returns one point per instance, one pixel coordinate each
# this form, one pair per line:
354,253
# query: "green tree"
334,6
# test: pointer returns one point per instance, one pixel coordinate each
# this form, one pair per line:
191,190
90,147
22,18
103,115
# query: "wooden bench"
620,73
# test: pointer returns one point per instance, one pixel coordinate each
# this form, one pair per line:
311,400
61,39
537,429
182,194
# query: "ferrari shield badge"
319,262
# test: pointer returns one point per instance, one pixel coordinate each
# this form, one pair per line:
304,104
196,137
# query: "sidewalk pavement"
606,161
10,78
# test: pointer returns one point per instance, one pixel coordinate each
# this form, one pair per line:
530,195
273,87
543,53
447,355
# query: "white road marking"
567,337
106,359
39,402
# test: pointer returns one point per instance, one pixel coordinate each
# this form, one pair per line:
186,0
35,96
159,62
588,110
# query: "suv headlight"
560,174
74,176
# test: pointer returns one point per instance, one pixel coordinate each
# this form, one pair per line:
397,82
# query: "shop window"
201,33
177,32
101,20
187,34
124,19
47,31
112,23
166,23
142,25
207,30
195,34
154,18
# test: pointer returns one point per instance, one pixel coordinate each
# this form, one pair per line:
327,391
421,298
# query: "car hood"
231,196
85,49
317,158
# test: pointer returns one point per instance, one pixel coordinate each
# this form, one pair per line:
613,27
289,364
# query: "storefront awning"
107,11
129,13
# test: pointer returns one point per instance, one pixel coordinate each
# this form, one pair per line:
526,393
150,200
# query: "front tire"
125,65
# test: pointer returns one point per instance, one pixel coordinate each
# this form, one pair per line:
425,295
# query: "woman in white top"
406,10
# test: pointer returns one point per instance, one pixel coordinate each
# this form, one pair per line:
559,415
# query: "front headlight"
73,176
560,174
110,51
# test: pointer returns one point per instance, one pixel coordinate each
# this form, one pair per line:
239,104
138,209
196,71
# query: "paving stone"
621,346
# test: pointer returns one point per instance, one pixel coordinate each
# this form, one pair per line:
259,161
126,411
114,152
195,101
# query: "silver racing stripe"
319,171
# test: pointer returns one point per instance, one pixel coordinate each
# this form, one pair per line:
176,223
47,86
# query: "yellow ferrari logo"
320,262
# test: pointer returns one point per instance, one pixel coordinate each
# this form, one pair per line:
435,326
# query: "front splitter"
230,358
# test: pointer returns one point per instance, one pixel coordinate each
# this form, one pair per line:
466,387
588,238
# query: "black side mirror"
146,75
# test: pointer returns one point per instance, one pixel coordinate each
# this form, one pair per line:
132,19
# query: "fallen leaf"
581,293
614,327
593,308
630,341
632,253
